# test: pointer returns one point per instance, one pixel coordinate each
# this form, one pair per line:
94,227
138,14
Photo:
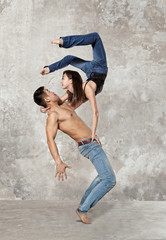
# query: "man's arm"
51,131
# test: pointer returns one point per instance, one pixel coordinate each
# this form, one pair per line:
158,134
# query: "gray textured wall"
132,105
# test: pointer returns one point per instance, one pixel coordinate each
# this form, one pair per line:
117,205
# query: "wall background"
132,105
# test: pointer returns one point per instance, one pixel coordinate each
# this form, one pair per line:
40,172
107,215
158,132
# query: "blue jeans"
97,65
104,181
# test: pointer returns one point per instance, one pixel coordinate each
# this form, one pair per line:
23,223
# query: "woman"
95,70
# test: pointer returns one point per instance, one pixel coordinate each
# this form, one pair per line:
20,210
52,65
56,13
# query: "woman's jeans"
104,181
97,65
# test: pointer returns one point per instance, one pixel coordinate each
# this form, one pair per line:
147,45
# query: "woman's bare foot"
58,41
83,217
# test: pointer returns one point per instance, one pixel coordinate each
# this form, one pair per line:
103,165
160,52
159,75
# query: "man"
64,118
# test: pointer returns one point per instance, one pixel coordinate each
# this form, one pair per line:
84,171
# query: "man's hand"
45,71
60,170
94,137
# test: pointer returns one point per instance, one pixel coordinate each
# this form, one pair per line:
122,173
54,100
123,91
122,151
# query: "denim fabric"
97,65
103,182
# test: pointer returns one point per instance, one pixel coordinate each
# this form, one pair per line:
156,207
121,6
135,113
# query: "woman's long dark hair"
78,94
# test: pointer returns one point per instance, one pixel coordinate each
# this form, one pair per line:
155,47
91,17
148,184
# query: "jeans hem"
84,212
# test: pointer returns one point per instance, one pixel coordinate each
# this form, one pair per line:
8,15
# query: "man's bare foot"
91,209
83,217
45,71
58,41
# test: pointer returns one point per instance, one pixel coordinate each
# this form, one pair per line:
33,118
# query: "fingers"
62,171
60,176
41,109
98,141
44,110
68,166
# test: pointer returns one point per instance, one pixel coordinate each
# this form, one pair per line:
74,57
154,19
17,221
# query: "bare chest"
66,114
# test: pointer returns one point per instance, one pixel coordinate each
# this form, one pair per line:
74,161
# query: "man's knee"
110,182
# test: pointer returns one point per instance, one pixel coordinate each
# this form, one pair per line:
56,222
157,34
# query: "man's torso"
71,124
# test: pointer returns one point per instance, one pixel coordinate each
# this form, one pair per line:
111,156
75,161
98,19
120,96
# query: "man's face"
66,82
51,96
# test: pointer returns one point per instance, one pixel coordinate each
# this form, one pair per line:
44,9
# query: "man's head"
43,97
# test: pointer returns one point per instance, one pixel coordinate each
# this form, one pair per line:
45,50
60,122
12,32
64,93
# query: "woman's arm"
90,94
64,97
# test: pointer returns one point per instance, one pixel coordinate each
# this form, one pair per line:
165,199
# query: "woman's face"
66,82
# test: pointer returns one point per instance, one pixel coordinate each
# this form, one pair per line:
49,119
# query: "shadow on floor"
101,209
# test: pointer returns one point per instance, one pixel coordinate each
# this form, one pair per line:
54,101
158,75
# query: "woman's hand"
94,137
44,110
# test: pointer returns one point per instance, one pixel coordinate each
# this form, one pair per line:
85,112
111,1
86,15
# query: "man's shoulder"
52,114
52,117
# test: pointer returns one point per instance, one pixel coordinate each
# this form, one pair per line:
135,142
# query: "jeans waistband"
98,75
85,141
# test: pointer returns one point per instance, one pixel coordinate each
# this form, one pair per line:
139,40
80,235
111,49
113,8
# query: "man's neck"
53,105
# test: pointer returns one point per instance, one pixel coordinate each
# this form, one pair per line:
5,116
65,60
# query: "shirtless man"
64,118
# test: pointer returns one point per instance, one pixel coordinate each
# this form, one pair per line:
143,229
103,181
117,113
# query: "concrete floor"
27,220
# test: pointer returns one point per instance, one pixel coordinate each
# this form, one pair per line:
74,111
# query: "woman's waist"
97,75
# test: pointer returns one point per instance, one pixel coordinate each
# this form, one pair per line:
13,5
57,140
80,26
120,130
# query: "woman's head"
73,78
67,80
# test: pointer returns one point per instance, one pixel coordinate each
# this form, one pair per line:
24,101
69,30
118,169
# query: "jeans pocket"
94,153
84,151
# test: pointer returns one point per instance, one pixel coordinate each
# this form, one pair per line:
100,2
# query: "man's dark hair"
38,97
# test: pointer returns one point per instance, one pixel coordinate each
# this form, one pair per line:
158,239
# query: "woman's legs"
97,65
87,39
